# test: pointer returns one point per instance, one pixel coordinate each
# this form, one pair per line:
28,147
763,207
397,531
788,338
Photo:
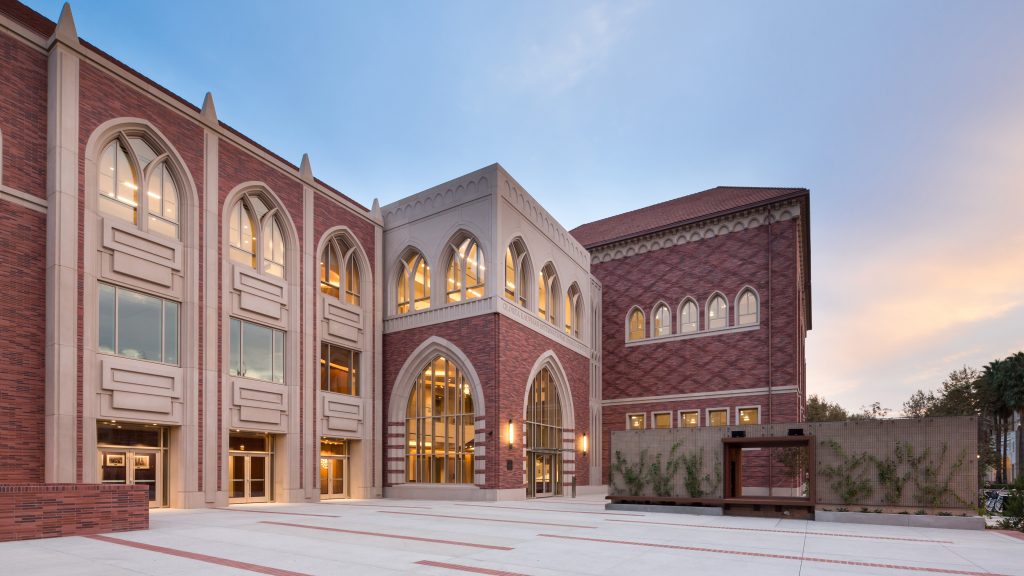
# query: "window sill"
692,335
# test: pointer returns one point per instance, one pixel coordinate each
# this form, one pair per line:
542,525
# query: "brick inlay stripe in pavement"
835,534
386,535
471,569
778,556
285,513
199,557
488,519
532,509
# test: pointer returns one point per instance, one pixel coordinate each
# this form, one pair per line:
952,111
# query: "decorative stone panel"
259,405
141,390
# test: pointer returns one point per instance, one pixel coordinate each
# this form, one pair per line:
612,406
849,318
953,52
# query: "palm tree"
992,386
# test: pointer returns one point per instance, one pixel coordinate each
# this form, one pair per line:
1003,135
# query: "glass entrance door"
249,477
134,466
333,477
544,470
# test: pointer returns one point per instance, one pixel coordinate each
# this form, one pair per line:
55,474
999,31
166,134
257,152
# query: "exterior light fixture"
584,444
511,433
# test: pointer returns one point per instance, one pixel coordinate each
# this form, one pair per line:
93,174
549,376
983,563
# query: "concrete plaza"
538,537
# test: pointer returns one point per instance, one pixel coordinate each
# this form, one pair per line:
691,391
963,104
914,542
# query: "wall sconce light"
511,433
584,444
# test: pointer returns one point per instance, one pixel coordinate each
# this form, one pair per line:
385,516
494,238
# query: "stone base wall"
30,511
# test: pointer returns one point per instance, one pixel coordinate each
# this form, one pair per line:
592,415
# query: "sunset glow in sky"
904,119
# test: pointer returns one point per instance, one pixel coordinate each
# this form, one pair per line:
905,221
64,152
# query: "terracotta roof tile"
691,208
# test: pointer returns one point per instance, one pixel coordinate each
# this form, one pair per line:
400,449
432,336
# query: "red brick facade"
30,511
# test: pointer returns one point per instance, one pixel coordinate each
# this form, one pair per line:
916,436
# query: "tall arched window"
573,311
718,312
440,426
747,308
636,325
339,267
688,321
517,273
413,292
543,437
256,238
129,164
548,294
662,321
465,278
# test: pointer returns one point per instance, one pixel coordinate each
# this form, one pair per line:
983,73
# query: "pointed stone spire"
305,170
209,113
65,31
375,212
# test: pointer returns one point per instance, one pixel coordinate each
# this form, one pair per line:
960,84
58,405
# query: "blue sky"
905,119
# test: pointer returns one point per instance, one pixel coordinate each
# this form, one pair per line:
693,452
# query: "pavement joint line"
471,569
489,519
549,510
259,569
800,558
274,512
386,535
807,533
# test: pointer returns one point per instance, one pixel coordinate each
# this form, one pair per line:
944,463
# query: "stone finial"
305,170
375,211
65,32
209,113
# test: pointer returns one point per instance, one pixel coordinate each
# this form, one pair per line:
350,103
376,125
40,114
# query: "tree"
821,410
873,411
920,404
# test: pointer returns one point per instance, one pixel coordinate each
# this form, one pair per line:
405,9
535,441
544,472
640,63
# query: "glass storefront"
134,454
250,468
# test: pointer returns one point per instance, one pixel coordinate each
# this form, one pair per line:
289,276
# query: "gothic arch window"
517,273
130,164
413,286
574,311
256,237
440,426
548,294
747,308
339,269
688,317
718,312
661,321
635,326
465,275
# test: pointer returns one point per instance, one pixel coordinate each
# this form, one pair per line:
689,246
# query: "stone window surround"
630,415
681,413
708,411
674,334
657,413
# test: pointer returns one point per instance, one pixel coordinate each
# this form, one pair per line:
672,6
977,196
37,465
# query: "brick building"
190,312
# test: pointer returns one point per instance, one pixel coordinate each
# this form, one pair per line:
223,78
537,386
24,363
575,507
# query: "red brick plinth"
30,511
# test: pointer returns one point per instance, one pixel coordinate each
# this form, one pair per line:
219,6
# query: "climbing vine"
661,480
699,485
847,477
633,475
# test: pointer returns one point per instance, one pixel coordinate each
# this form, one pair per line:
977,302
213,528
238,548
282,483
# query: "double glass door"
134,466
334,476
544,471
249,478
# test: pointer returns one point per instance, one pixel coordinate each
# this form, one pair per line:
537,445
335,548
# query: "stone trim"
690,335
520,200
23,199
700,395
786,210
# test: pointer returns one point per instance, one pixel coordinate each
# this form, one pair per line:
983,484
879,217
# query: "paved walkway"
540,537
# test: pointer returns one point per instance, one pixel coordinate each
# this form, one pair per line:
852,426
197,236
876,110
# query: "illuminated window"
128,165
465,278
413,283
747,308
718,312
548,294
573,311
662,321
255,235
636,325
636,421
440,426
517,273
339,267
689,419
749,416
718,417
662,419
688,317
339,370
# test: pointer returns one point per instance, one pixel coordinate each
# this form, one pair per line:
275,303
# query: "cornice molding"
534,213
437,199
699,396
736,222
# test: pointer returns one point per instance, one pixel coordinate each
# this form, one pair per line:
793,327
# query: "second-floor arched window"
413,287
636,325
747,308
339,269
517,273
128,165
465,276
718,312
688,321
573,311
662,321
548,294
256,238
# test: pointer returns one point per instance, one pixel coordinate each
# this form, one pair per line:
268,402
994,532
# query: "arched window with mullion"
718,312
255,236
636,325
129,164
573,311
548,294
465,275
339,269
688,320
517,273
413,286
662,319
747,308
